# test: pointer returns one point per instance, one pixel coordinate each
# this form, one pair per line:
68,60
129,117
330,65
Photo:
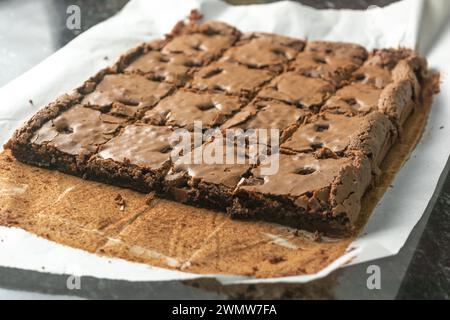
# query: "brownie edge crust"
339,109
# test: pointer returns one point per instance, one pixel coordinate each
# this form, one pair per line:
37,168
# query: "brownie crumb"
317,236
195,15
106,58
441,127
149,198
276,259
31,102
120,201
9,159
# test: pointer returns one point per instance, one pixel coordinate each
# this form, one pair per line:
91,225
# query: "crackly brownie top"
142,145
353,99
266,115
230,78
199,45
332,61
298,174
338,133
292,87
77,131
172,68
184,107
214,169
126,93
260,50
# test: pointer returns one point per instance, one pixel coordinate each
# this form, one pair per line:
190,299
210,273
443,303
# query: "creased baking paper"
409,23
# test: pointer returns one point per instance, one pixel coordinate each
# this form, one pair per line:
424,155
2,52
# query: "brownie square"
138,157
338,110
208,175
335,135
158,66
259,50
267,115
184,107
67,141
356,98
230,78
126,95
331,61
294,88
313,194
204,42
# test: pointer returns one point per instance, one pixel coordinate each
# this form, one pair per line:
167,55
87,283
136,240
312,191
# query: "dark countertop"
420,270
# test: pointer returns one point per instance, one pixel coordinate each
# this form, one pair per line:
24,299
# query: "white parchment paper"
419,24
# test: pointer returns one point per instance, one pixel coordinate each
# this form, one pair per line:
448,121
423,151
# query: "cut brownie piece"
209,174
67,141
267,115
184,107
258,50
138,157
126,95
332,61
231,78
372,135
294,88
204,42
357,98
171,67
313,194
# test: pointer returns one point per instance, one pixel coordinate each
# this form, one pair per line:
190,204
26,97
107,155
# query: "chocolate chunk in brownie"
313,194
332,61
294,88
208,175
126,94
230,78
372,135
138,157
184,107
258,50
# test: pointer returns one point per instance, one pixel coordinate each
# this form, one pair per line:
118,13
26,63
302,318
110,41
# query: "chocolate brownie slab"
209,174
308,193
294,88
338,111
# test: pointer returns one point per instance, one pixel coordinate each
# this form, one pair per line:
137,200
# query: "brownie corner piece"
313,194
66,139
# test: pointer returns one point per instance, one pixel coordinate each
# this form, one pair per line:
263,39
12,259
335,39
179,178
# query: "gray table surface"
31,30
